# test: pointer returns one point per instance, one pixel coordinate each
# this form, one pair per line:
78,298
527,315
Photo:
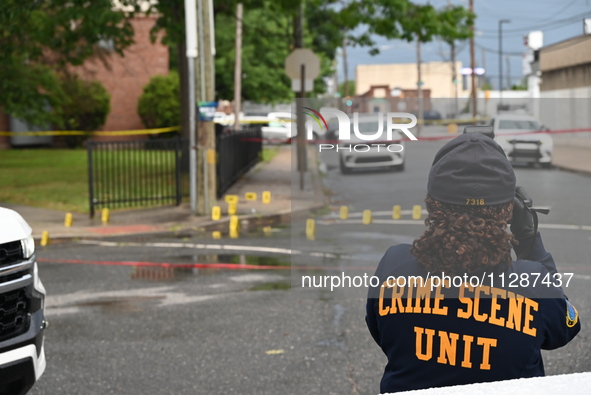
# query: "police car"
22,300
364,154
513,132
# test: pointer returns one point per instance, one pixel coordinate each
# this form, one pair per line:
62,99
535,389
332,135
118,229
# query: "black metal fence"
134,173
238,151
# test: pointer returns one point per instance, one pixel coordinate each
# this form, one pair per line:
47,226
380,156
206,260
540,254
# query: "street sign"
299,57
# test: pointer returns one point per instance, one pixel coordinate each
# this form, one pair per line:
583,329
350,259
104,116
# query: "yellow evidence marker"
216,213
105,216
366,217
417,212
310,229
68,220
231,199
396,212
344,212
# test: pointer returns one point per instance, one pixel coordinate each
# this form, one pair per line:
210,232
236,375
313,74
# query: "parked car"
431,115
513,132
361,154
22,301
278,131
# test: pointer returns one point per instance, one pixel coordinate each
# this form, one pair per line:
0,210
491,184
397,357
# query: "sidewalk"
573,153
278,176
274,176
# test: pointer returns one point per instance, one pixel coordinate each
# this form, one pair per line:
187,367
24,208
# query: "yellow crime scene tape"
95,133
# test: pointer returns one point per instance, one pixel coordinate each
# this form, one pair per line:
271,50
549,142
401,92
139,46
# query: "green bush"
86,108
159,105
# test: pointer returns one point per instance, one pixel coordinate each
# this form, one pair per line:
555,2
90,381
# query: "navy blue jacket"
452,335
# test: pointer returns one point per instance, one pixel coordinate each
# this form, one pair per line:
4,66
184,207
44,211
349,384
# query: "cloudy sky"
557,19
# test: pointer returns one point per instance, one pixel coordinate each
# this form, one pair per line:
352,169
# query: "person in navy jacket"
454,307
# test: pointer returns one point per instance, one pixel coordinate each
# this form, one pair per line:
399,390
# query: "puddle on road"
272,286
171,274
122,305
200,235
253,260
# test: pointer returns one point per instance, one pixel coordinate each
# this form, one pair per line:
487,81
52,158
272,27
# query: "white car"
278,131
357,153
513,134
22,301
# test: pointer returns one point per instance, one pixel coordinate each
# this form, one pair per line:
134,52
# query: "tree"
86,108
342,87
269,35
159,105
40,39
265,45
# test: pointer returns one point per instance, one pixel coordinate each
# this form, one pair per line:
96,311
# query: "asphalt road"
123,321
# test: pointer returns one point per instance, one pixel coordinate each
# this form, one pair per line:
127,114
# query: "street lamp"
501,59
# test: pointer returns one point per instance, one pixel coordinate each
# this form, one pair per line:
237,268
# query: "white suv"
22,301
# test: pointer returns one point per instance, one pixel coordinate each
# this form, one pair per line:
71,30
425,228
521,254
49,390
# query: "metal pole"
202,98
454,77
192,140
501,60
90,178
201,51
419,88
191,39
473,67
301,139
238,67
345,67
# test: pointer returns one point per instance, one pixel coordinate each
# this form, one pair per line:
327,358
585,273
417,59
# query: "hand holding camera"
524,224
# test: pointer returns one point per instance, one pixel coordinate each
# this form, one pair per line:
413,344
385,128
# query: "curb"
571,170
248,223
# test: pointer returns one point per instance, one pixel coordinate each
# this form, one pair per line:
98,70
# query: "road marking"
76,302
422,223
378,213
214,265
222,247
375,221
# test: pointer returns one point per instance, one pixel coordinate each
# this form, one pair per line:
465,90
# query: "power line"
564,21
496,51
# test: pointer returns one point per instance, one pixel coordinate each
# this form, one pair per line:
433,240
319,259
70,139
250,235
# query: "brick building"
124,77
379,98
565,89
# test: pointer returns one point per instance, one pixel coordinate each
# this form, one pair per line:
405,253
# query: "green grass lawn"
49,178
58,178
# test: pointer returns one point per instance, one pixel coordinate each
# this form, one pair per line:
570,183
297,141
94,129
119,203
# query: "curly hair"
464,239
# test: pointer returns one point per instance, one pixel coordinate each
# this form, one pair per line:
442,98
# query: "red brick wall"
126,76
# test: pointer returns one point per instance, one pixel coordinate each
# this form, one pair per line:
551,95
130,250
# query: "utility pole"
454,76
473,67
209,126
238,68
508,72
206,156
419,88
345,66
302,151
501,60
